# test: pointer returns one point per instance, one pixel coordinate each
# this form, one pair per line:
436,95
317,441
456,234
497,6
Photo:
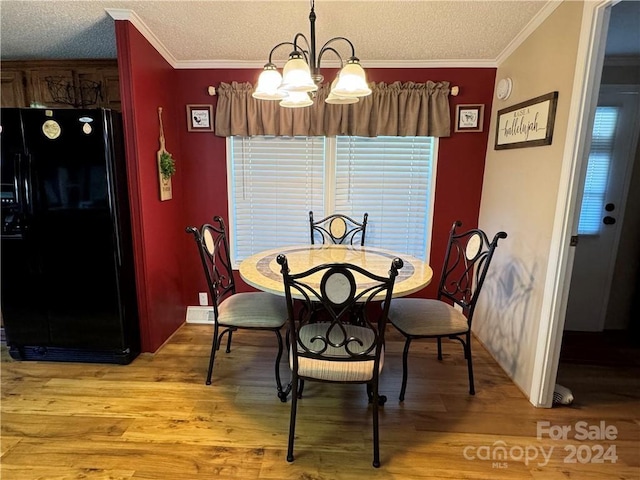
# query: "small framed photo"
469,118
200,118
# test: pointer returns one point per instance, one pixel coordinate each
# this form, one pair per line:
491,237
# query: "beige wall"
519,196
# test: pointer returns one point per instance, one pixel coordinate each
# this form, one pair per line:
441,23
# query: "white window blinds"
273,183
595,187
391,179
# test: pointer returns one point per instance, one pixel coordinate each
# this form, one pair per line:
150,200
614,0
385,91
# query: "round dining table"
262,271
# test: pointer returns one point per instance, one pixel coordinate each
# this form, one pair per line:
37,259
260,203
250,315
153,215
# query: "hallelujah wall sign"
527,124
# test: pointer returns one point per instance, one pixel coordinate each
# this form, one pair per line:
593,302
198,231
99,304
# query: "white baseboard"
200,314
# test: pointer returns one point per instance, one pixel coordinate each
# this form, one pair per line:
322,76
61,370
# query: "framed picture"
200,118
469,118
527,124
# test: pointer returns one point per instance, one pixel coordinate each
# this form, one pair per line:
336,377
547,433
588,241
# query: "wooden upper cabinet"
111,89
13,88
47,87
64,84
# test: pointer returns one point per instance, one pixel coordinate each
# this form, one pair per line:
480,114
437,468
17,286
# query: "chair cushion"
253,310
426,317
336,370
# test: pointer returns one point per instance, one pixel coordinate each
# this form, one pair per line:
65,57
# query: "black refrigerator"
68,290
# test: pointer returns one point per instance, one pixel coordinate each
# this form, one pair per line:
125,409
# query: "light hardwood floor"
155,419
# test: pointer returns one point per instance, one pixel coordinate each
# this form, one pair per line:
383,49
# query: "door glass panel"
595,187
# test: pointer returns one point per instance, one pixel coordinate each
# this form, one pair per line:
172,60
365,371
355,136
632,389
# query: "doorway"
604,289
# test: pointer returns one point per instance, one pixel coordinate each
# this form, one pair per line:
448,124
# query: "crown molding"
136,21
259,64
529,28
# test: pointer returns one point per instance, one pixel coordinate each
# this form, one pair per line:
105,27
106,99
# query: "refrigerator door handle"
17,179
27,182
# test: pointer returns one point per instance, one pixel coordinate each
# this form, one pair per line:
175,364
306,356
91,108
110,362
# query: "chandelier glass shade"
296,99
334,99
301,75
352,81
296,75
268,84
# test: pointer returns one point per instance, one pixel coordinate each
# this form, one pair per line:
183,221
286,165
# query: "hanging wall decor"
469,118
527,124
166,165
200,118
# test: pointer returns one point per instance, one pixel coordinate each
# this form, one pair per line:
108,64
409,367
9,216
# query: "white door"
613,143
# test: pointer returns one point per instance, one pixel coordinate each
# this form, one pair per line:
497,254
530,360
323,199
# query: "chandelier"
301,76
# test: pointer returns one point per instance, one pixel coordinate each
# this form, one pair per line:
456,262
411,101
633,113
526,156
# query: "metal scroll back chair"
466,263
338,229
333,349
231,310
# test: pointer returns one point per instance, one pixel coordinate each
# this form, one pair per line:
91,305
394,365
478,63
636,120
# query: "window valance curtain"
397,109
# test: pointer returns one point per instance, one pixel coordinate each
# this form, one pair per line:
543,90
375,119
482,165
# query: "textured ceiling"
211,33
244,31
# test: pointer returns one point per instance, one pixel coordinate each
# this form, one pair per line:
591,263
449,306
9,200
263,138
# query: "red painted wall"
168,271
460,159
147,82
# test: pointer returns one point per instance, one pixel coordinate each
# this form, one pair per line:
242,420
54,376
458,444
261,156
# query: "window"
390,178
595,187
275,181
